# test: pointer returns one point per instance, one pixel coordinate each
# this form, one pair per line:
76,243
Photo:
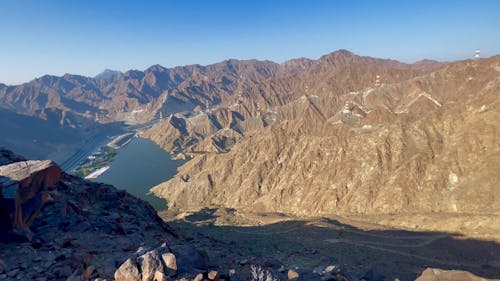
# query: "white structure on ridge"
477,54
377,81
347,109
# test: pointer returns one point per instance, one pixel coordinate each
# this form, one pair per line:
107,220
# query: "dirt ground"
230,238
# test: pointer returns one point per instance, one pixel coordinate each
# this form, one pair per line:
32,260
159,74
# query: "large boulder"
86,233
23,192
128,271
170,263
150,262
434,274
146,265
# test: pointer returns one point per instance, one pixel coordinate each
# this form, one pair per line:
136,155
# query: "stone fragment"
292,274
330,268
160,276
213,275
170,263
128,271
198,277
150,262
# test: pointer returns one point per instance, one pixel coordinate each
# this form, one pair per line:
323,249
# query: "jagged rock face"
134,96
24,186
204,131
87,231
253,105
426,143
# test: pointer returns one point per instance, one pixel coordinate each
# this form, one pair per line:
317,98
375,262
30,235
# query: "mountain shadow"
309,243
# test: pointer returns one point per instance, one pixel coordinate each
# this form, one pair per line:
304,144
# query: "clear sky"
40,37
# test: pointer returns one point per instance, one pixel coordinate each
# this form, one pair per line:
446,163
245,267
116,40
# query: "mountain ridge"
387,155
84,89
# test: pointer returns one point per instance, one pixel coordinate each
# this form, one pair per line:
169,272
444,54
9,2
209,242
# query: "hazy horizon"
85,38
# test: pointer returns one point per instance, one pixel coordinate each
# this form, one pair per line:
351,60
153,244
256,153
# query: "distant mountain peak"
426,61
339,54
343,52
156,67
428,64
107,74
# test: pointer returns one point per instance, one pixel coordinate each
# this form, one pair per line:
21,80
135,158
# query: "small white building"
347,109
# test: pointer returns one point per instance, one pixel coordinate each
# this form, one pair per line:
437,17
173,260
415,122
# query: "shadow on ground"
310,243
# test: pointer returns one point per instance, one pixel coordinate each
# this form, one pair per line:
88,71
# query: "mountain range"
313,169
418,148
342,134
136,96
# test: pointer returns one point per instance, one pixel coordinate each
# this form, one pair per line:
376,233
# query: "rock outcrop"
434,274
24,185
161,264
86,231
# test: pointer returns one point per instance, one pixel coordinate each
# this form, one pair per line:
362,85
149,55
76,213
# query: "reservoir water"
139,166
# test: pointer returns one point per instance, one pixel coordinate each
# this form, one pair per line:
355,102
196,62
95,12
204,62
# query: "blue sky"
40,37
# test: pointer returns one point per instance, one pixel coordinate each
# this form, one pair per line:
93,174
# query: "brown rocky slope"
80,105
87,230
134,96
419,145
253,105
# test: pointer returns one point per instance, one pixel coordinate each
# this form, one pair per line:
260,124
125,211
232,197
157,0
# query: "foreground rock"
86,232
24,190
434,274
161,263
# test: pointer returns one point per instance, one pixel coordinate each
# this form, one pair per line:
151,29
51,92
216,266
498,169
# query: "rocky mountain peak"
108,74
